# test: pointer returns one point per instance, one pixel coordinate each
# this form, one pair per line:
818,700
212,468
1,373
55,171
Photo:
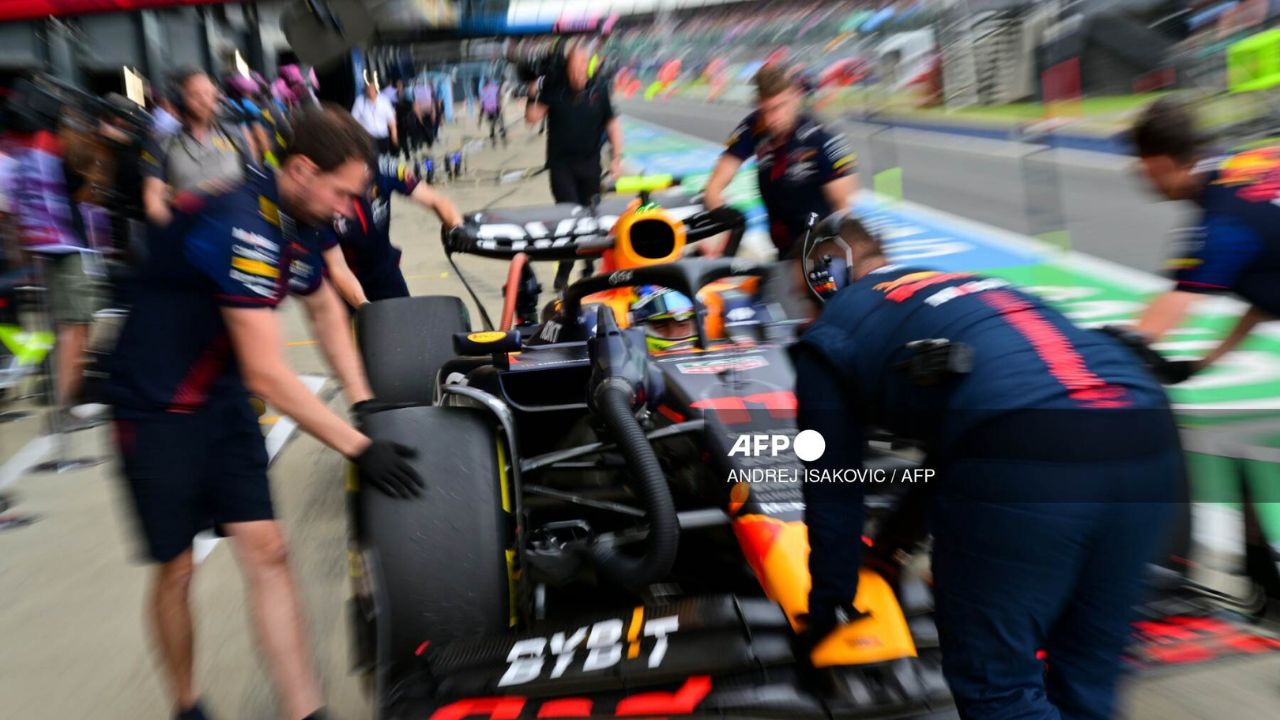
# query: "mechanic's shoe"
65,420
320,714
193,713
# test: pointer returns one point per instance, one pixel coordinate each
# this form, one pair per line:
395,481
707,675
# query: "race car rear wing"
567,231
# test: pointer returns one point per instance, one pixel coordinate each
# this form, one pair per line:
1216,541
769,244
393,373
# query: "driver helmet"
667,318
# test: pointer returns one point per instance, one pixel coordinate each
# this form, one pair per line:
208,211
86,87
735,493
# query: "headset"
826,275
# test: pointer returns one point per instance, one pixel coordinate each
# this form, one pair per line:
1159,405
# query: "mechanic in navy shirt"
803,167
1235,245
1057,461
202,334
371,270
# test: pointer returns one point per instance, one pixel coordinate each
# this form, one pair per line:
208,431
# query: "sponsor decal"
488,336
269,210
682,701
713,367
590,648
254,239
255,267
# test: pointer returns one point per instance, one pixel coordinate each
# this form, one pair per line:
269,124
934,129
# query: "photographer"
579,114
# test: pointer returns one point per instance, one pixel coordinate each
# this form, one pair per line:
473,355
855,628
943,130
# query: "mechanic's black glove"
1168,372
1172,372
821,622
385,466
458,239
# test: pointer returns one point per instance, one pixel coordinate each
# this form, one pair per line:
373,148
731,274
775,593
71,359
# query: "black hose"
613,400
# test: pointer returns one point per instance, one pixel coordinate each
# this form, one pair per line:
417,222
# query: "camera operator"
579,115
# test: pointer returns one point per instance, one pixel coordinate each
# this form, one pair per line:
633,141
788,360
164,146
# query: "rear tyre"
404,341
437,563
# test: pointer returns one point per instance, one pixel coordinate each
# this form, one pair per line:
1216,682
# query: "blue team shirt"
1026,357
235,250
1236,245
792,172
1026,354
366,238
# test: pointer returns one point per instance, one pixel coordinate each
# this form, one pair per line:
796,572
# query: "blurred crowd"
83,177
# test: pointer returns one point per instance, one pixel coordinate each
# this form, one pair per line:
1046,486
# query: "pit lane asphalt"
1008,185
72,636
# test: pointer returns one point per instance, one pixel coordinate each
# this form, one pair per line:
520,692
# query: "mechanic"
579,115
1039,543
1234,247
368,268
204,156
667,318
202,334
377,116
803,167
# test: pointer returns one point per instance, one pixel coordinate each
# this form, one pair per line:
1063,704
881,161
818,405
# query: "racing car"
607,530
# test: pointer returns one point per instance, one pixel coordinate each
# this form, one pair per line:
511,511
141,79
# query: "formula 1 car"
606,531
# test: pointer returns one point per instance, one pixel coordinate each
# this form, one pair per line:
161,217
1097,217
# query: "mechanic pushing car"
201,335
1057,461
803,166
1234,247
368,268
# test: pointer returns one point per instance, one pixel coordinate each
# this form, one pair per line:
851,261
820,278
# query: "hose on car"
613,401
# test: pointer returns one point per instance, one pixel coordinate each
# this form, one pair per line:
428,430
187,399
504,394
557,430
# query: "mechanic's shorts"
74,294
192,472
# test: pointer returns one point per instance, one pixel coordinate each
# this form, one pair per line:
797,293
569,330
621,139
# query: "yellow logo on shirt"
255,267
269,210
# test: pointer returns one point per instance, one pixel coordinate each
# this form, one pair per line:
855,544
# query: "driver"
667,318
1038,543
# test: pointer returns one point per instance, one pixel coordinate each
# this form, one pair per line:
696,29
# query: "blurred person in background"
204,156
245,112
579,115
803,166
377,116
202,334
368,267
404,121
1234,247
490,108
1038,544
165,120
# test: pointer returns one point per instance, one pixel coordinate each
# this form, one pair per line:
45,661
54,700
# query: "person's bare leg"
170,616
277,615
73,339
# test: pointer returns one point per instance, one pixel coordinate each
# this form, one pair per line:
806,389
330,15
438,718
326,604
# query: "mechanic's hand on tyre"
385,466
1168,372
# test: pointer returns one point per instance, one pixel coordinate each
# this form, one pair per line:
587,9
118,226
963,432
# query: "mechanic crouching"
1057,460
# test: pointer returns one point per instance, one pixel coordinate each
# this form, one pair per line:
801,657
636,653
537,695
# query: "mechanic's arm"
614,129
726,167
395,136
155,201
331,326
258,341
1243,327
436,202
833,512
534,111
344,281
1165,313
839,192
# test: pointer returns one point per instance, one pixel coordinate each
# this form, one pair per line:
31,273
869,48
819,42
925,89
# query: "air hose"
613,402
